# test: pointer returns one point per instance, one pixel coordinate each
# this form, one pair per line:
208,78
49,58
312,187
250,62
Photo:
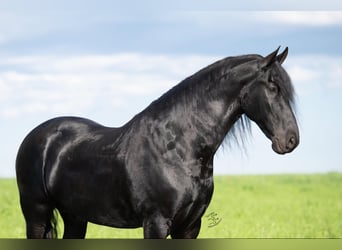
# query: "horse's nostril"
291,142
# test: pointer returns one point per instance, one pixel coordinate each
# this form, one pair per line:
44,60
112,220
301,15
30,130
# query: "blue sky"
107,61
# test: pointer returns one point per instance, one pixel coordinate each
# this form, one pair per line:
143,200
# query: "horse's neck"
215,118
214,113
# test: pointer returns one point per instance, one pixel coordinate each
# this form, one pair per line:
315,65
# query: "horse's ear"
270,59
281,58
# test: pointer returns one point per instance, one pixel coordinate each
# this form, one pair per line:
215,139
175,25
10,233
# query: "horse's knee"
35,230
156,227
189,233
38,218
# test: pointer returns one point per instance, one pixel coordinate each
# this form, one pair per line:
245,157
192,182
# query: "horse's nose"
292,142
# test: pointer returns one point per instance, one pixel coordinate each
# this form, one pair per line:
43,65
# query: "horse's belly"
98,207
98,196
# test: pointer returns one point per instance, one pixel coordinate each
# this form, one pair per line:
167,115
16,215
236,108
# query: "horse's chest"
195,207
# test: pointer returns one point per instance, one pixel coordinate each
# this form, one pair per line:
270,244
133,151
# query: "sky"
106,61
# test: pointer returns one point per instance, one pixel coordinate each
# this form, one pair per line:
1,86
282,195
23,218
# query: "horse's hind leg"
73,227
38,219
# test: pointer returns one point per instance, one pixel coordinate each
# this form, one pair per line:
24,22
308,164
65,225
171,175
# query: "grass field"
274,206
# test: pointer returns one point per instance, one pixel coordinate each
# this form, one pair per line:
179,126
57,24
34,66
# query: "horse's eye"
273,88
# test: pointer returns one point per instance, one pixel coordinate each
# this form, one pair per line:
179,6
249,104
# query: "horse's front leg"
189,233
156,227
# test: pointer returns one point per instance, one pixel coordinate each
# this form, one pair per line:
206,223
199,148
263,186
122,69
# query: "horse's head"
268,101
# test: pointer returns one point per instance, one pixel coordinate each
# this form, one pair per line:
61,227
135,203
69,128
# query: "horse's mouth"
289,146
276,146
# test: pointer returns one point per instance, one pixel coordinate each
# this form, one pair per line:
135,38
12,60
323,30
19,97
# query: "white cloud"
311,73
303,18
75,84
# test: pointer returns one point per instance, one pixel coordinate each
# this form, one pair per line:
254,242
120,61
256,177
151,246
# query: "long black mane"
196,86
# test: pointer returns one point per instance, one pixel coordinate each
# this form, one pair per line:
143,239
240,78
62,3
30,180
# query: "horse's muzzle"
285,145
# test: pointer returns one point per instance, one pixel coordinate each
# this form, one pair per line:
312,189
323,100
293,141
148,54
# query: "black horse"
156,171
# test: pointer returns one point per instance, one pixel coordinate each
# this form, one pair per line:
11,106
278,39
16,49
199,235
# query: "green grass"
274,206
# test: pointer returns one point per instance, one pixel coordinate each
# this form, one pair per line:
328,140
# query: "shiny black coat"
156,171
